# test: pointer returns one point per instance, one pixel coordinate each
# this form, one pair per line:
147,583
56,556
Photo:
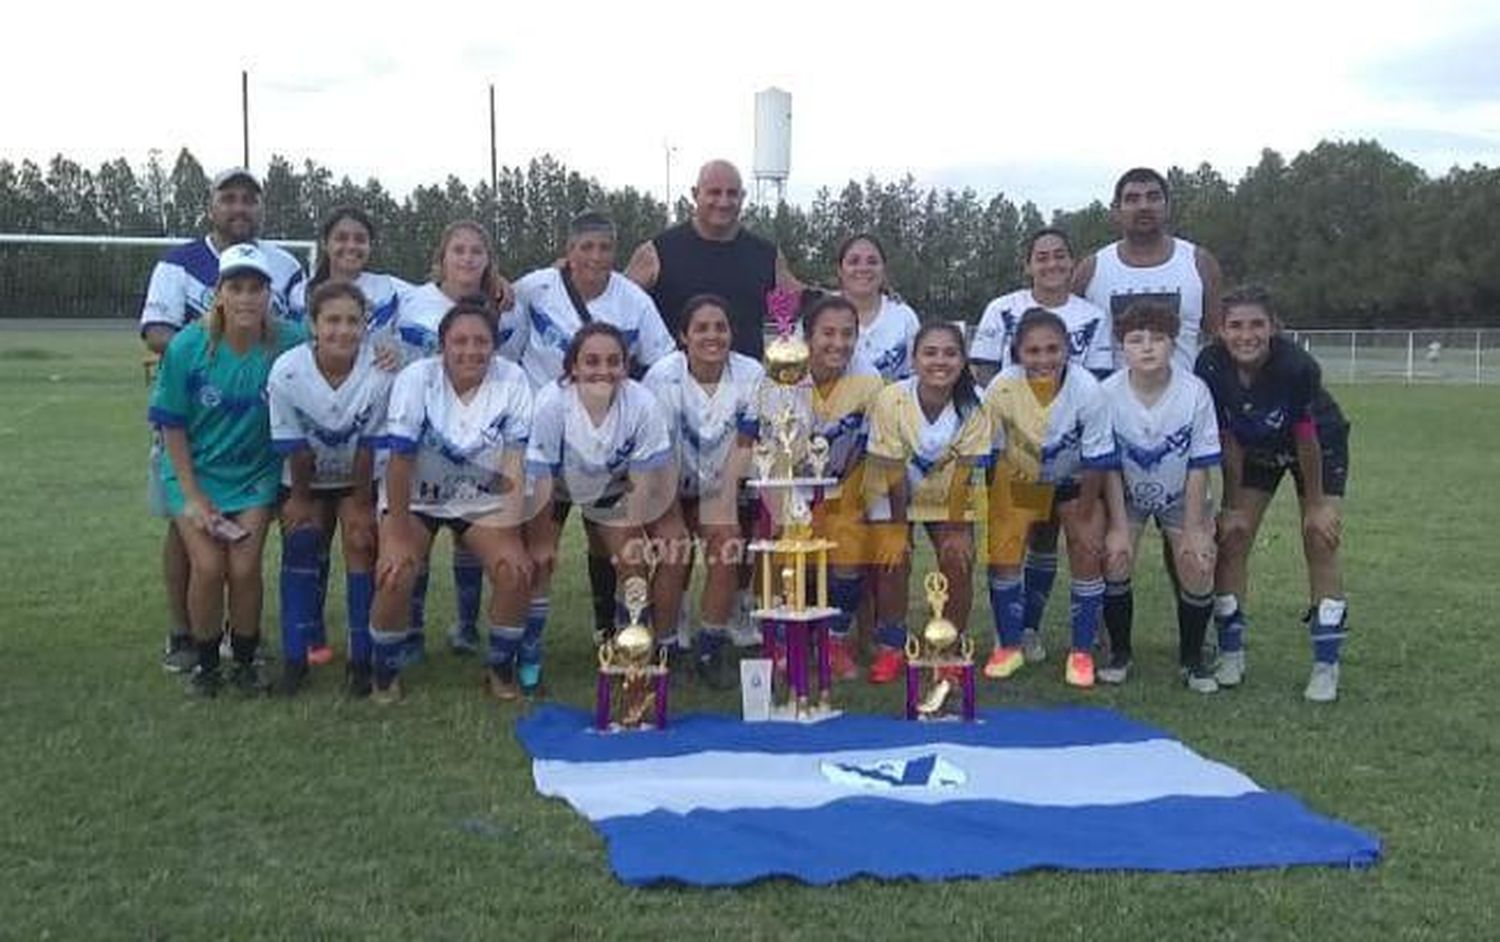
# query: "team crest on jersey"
1080,339
928,771
209,396
1147,458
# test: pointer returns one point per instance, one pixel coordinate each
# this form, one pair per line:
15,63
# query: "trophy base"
770,484
614,728
808,715
810,614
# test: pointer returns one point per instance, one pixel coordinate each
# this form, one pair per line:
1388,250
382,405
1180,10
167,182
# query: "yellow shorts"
1014,507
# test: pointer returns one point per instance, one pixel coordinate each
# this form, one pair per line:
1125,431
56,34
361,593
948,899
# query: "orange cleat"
319,654
889,664
841,659
1080,670
1004,662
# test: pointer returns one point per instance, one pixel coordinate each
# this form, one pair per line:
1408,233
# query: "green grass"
131,812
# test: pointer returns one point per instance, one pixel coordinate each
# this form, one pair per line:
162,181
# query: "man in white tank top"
1149,262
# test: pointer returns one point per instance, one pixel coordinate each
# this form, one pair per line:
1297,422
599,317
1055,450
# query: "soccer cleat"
1230,671
1080,669
319,654
1004,662
500,682
179,657
841,659
247,681
293,679
888,665
1199,679
204,684
1115,671
1323,685
389,695
1031,646
463,640
357,680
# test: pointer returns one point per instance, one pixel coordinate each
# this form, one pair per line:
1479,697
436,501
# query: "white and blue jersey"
382,300
1089,342
420,311
182,284
591,463
552,320
886,342
307,413
459,447
705,423
1157,445
1049,443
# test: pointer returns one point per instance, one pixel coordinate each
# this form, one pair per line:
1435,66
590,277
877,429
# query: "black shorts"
327,495
457,524
1263,469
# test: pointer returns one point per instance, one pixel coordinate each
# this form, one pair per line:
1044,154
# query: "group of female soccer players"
386,412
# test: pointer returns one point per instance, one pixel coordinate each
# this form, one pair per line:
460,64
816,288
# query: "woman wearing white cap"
220,483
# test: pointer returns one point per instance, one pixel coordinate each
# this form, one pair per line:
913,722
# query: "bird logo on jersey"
1147,458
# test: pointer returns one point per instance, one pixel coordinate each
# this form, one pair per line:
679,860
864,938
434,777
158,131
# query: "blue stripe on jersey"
382,314
289,446
546,329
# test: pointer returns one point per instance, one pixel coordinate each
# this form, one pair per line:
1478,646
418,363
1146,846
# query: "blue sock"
711,640
1327,627
1008,608
388,651
531,636
843,594
468,589
1038,575
505,644
359,591
892,634
1229,623
1086,600
299,591
317,629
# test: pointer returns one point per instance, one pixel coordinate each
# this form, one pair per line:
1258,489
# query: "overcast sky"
1043,101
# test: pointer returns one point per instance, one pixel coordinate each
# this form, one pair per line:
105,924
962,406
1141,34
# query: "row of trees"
1349,234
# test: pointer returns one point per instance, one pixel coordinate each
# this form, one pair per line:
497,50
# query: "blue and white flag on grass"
713,801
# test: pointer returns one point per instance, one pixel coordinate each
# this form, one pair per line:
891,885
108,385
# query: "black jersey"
741,270
1288,389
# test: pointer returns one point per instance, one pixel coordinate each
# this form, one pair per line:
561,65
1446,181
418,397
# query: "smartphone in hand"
227,531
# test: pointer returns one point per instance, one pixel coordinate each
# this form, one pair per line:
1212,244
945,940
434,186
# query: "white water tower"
773,142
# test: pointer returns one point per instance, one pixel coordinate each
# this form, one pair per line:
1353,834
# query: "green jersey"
219,398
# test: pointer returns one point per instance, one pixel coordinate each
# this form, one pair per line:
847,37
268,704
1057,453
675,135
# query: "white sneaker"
1230,670
744,632
1323,685
1031,646
1199,680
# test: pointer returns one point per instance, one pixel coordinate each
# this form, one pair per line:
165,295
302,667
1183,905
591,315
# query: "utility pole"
494,172
245,117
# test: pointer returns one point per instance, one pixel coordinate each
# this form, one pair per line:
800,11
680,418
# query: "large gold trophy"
790,465
626,661
945,656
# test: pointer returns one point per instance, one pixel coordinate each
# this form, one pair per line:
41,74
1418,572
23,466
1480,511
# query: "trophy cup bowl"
939,636
632,646
786,359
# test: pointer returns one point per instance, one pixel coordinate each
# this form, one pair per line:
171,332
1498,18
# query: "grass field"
130,811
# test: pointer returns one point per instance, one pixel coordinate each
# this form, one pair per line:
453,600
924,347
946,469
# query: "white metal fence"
1405,356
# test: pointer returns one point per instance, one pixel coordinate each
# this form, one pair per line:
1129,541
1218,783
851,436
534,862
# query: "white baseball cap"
243,257
234,175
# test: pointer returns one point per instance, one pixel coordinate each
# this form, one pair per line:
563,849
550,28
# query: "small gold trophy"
945,653
626,658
